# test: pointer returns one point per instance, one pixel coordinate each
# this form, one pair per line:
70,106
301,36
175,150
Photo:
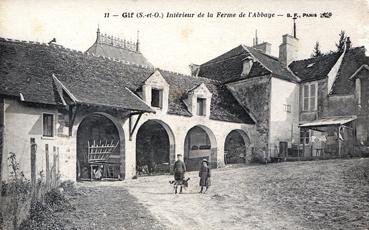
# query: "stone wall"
254,94
23,122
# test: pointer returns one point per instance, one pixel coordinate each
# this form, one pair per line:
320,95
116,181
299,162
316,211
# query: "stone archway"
100,129
155,148
200,143
236,147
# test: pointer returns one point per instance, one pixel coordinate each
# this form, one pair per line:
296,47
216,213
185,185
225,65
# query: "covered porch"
328,137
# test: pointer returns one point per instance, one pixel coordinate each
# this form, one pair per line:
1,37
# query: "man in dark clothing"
179,171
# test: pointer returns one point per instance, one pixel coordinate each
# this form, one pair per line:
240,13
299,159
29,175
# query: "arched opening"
100,147
236,147
200,144
154,148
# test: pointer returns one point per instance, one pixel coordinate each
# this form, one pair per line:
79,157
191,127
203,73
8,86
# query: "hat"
205,160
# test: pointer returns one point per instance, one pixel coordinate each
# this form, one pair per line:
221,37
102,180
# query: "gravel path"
331,194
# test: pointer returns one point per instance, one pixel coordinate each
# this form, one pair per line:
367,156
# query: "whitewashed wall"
283,125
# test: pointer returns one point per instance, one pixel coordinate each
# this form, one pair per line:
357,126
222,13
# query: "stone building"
334,102
83,111
303,108
256,78
67,113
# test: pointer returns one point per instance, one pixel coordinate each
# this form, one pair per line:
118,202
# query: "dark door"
283,145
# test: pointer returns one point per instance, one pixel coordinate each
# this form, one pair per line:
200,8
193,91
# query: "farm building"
69,114
83,111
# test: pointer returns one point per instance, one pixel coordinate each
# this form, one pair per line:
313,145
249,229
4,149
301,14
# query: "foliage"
316,51
341,42
68,187
42,214
15,192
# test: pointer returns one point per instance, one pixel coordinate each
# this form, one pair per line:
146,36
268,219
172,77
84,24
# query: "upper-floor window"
287,108
201,102
48,125
310,97
156,98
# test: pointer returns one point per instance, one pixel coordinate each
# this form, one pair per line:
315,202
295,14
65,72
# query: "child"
179,171
204,175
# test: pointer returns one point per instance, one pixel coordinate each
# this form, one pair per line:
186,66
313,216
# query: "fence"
18,192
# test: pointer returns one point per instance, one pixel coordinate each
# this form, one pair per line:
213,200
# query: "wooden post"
33,161
339,141
53,169
47,167
303,143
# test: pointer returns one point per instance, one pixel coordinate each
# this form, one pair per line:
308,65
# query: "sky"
174,43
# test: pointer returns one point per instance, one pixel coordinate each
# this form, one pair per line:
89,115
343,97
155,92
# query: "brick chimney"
264,47
288,50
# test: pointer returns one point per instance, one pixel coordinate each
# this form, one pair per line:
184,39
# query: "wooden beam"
132,130
72,117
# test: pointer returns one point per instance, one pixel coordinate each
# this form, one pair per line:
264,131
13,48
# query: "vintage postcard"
172,114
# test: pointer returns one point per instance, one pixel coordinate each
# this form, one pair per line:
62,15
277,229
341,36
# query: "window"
201,106
304,136
287,108
310,96
246,68
156,98
48,125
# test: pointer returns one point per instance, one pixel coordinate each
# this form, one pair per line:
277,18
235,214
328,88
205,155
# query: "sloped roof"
28,68
223,106
228,66
119,53
353,60
313,69
329,121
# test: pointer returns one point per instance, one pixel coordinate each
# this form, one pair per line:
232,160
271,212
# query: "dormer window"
155,92
199,100
157,98
201,103
247,65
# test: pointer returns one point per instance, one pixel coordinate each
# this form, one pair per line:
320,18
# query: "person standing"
204,175
179,171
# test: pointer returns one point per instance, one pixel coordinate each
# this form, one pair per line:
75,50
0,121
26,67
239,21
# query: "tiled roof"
313,69
228,66
353,59
119,53
28,68
223,106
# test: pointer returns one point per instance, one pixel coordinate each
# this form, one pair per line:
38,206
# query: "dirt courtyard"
293,195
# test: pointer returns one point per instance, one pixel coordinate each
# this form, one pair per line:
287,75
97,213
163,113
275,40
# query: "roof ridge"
259,51
187,75
329,53
59,46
